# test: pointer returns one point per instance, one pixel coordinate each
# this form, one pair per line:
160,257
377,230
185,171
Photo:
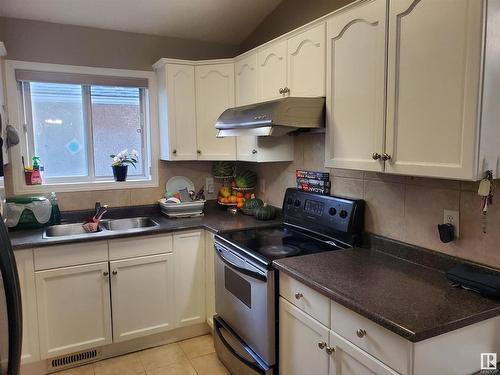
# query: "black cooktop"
280,242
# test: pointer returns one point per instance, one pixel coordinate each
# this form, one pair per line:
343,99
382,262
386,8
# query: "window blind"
82,79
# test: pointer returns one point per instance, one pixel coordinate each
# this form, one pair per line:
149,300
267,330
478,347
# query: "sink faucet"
100,210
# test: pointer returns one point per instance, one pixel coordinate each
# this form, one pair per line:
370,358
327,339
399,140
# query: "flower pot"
120,172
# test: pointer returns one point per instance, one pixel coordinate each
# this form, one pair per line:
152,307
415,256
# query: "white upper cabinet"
306,63
272,71
245,77
434,67
356,87
177,103
214,94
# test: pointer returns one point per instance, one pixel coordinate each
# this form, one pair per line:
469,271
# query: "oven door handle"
238,268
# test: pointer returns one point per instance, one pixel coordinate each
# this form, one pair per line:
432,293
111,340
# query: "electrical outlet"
209,185
262,185
453,217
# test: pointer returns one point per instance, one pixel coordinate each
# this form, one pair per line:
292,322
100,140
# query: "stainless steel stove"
246,284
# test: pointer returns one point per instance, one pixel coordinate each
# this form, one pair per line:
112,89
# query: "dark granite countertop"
415,301
215,220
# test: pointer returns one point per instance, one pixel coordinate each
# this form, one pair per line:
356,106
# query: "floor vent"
73,359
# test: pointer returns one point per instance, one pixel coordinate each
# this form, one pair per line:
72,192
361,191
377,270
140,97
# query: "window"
74,128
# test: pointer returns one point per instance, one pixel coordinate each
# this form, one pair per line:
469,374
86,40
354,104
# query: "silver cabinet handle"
322,345
254,151
105,273
386,156
174,152
376,156
199,152
115,272
286,90
330,349
298,295
360,333
281,90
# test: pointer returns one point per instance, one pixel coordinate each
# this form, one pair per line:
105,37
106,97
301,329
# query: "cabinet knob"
198,152
286,90
174,152
298,295
254,151
376,156
360,333
386,156
322,345
115,272
105,273
330,349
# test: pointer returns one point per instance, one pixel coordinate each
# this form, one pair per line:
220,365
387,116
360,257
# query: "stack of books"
313,182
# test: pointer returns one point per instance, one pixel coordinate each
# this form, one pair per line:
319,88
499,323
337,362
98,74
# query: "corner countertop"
215,219
415,301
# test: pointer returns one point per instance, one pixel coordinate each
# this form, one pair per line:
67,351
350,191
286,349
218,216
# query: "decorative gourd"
251,205
265,212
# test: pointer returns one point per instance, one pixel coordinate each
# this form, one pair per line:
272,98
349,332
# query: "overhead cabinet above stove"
407,92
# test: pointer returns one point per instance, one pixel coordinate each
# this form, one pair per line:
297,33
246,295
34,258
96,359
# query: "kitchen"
355,281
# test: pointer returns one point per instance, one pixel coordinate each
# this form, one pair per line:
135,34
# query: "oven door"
235,354
245,300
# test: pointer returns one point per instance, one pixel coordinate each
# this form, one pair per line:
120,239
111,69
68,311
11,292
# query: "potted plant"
120,163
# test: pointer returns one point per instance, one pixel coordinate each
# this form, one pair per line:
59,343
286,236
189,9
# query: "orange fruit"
232,198
240,204
239,194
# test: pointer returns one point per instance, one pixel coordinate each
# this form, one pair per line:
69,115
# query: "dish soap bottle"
56,213
36,177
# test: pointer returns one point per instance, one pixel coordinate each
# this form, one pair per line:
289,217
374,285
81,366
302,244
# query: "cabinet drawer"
70,255
386,346
308,300
131,247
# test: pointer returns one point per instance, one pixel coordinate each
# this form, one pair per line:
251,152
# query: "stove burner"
279,250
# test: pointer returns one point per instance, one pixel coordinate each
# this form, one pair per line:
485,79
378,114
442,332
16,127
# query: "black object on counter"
483,281
446,232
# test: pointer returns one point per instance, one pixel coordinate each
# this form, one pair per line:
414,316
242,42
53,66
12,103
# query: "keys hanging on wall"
485,191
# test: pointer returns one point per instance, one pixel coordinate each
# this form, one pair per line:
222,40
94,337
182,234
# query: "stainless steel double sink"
111,225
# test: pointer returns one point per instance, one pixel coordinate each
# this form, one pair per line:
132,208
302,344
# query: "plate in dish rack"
177,183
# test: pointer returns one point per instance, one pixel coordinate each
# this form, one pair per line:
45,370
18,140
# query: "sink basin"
66,230
127,224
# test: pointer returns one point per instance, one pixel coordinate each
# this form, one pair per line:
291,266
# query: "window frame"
16,107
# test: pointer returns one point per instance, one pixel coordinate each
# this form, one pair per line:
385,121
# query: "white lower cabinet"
142,294
25,271
303,341
189,259
209,278
347,359
74,310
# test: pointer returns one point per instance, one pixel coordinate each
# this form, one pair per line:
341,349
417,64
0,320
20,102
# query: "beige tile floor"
195,356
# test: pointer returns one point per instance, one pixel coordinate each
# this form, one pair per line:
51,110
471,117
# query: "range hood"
273,118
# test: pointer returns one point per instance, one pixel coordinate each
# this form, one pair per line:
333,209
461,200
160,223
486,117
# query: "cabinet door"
3,108
142,296
210,278
73,308
302,342
189,253
214,94
348,359
26,273
246,93
272,71
356,86
181,111
434,63
306,63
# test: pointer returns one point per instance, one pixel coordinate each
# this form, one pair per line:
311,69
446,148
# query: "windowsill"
84,186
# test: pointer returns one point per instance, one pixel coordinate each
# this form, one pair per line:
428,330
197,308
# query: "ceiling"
223,21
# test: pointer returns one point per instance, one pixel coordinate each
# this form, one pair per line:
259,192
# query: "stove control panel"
323,213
